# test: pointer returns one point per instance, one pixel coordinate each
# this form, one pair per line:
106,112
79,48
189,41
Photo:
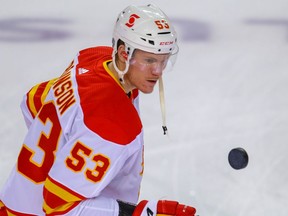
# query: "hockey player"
83,151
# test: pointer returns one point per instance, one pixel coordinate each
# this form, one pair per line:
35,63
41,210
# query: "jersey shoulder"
35,97
88,58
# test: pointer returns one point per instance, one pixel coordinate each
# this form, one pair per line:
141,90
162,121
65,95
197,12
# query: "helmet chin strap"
128,51
120,73
162,104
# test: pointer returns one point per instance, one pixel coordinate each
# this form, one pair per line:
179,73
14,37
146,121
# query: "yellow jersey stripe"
60,192
31,99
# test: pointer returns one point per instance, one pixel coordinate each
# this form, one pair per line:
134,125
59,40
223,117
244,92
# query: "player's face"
145,69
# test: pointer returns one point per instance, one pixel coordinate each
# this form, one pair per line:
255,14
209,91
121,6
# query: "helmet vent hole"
163,33
143,39
151,42
149,34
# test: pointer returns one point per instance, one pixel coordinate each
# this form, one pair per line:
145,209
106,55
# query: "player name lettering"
64,92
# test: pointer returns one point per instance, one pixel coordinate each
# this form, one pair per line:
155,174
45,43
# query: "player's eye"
149,61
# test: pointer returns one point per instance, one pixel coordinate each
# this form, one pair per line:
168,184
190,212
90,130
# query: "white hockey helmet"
146,28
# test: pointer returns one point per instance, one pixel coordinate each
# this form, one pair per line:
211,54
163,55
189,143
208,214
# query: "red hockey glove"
163,208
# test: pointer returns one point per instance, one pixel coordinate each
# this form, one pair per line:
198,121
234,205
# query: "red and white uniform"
84,146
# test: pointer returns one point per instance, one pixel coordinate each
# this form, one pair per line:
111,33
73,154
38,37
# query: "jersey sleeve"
83,170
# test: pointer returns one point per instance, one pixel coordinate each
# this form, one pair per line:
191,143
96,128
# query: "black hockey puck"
238,158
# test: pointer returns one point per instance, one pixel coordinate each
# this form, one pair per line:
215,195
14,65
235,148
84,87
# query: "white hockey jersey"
84,146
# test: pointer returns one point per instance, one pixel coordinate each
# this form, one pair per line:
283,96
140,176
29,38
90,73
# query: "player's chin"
147,89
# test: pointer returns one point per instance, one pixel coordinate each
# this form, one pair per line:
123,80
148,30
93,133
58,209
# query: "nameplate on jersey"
63,91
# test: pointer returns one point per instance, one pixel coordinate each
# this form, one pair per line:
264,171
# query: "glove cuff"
145,208
125,209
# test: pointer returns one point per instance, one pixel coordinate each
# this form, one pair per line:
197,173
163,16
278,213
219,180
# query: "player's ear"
122,54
